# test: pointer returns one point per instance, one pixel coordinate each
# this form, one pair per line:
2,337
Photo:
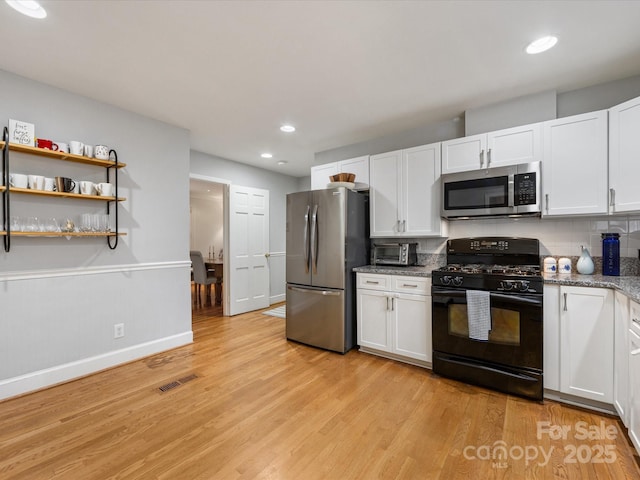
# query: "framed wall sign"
22,132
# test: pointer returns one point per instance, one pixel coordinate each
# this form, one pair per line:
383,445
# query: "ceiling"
342,72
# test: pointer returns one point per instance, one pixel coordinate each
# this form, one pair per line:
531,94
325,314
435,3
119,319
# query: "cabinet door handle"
372,282
612,197
482,157
546,201
398,226
488,157
409,285
404,225
392,299
565,301
387,303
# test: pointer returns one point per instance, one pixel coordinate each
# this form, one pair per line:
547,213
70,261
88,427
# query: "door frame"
225,227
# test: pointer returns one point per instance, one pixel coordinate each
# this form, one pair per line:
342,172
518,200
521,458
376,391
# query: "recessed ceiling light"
266,155
30,8
288,128
542,44
282,162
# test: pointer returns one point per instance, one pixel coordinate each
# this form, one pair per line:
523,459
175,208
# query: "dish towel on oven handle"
479,314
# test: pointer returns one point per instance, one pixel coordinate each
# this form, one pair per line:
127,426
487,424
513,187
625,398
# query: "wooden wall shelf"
63,234
64,194
68,157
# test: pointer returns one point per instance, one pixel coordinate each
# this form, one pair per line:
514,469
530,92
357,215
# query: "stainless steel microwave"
500,191
395,254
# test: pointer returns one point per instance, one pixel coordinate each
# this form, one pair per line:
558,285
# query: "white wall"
207,224
278,185
59,298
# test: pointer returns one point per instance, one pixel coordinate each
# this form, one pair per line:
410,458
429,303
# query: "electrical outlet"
118,330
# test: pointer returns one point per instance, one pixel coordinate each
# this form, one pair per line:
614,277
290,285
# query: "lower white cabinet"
394,316
586,339
634,377
551,332
621,355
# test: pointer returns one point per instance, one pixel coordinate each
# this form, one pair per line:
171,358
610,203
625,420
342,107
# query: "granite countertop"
413,271
629,285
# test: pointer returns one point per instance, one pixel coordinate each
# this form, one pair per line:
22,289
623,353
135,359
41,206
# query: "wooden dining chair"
201,276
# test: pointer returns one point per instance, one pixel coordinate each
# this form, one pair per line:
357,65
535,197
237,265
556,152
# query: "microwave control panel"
525,189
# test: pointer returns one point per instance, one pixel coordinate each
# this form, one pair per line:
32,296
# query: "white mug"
36,182
18,180
88,151
102,152
76,147
86,188
76,187
104,189
49,184
63,147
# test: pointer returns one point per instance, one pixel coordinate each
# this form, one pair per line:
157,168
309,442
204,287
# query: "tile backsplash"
558,236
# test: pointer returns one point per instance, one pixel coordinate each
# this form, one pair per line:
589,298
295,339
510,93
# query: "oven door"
515,339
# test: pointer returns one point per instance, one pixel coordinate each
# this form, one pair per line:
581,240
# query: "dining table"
217,265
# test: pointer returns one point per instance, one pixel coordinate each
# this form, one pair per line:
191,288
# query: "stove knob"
524,285
457,281
506,285
446,280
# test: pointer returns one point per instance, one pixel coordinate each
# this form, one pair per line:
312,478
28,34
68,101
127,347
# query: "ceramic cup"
88,151
64,184
36,182
49,184
18,180
76,187
46,144
564,265
86,188
102,152
104,189
63,147
76,147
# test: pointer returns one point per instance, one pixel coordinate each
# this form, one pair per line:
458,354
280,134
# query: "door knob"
267,254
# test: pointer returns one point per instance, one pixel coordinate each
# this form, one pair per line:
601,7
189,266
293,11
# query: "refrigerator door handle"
313,290
306,240
314,239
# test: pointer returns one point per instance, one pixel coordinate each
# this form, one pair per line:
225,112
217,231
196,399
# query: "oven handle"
510,297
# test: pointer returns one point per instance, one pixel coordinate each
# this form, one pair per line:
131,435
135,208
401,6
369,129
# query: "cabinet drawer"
417,285
374,281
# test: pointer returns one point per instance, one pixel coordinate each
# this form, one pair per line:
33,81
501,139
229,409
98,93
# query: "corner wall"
59,298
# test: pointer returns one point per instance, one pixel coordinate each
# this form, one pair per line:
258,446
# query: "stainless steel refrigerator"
327,236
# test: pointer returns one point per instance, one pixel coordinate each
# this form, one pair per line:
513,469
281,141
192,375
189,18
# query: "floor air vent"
177,383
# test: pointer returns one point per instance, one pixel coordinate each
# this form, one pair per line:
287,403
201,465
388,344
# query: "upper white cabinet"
359,166
510,146
574,165
320,175
624,156
586,335
405,193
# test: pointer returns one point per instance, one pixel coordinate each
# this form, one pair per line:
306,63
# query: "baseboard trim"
277,298
48,377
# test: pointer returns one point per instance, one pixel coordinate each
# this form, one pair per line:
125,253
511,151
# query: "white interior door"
247,283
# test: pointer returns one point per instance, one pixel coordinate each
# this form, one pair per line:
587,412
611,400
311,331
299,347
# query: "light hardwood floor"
262,407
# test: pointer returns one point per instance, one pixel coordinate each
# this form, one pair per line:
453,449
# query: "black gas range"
500,278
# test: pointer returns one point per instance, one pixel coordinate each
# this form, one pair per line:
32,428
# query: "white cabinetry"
624,152
634,376
510,146
405,193
394,317
359,166
586,335
574,165
621,355
551,346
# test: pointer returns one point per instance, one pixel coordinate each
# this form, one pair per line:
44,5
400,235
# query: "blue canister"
610,254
